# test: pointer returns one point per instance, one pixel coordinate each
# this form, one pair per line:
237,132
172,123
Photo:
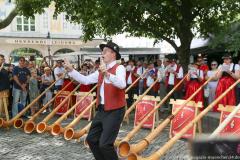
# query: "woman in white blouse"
212,85
229,73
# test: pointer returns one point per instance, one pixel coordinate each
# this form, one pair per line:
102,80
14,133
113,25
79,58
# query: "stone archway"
63,51
28,53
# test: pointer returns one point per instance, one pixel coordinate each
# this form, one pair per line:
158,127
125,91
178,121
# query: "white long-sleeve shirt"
118,80
172,76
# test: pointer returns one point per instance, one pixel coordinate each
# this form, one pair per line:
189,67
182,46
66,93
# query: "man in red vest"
131,76
111,79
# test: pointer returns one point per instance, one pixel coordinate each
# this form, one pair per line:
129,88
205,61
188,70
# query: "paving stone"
16,145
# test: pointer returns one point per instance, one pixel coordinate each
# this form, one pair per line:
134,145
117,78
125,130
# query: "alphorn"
172,141
217,131
68,135
130,135
69,132
30,125
56,127
140,146
42,126
4,123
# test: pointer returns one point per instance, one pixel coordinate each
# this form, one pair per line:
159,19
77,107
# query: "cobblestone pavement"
16,145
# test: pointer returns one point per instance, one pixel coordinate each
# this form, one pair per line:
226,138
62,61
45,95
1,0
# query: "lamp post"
49,49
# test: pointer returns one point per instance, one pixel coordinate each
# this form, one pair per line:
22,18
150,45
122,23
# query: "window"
25,24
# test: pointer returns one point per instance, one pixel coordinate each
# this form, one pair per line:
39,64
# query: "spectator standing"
4,88
212,85
58,73
21,76
47,79
33,91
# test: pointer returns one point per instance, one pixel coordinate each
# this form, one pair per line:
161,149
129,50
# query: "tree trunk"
183,50
183,53
4,23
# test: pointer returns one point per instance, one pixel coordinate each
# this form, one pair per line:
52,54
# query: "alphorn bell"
68,130
123,147
140,146
173,140
10,122
30,125
69,134
56,127
42,126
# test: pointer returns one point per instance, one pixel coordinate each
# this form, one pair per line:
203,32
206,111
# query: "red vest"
132,76
156,86
176,80
114,98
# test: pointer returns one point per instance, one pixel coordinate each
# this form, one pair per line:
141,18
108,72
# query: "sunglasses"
213,64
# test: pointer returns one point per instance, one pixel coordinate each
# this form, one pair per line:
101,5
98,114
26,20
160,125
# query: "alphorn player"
4,88
111,79
229,73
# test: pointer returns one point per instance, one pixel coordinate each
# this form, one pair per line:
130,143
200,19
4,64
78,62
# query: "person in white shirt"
111,79
140,70
238,88
131,76
151,75
173,74
58,74
229,73
194,79
212,85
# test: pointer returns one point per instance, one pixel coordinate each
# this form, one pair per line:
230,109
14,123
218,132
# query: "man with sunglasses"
21,76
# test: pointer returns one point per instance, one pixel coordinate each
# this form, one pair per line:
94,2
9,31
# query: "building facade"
46,34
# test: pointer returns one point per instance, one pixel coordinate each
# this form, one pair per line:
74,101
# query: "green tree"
158,19
24,7
228,38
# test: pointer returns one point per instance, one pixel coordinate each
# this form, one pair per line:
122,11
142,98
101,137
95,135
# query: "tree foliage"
25,7
228,38
158,19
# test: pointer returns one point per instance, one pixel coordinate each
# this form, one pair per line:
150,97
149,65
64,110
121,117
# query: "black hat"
112,46
60,61
227,55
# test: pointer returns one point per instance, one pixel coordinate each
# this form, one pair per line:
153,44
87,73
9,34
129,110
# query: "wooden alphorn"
69,132
56,127
30,125
124,145
140,146
42,126
217,131
172,141
11,121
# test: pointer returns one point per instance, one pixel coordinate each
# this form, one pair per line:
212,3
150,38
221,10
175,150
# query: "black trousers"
131,93
103,133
